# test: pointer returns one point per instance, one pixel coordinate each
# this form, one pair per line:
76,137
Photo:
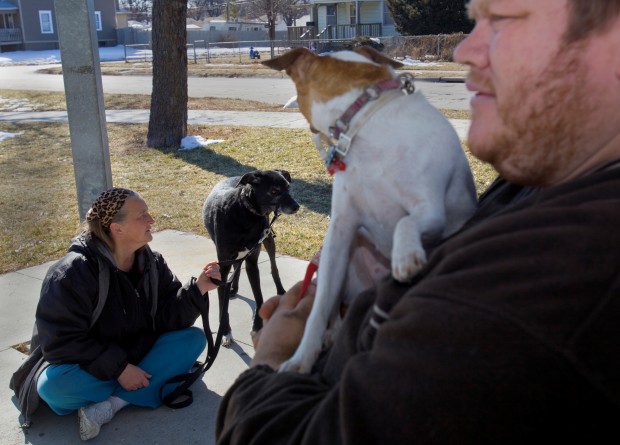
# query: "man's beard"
543,123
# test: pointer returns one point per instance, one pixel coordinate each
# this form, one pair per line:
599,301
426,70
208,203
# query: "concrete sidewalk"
185,254
208,117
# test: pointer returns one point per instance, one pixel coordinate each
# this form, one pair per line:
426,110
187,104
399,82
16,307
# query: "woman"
107,354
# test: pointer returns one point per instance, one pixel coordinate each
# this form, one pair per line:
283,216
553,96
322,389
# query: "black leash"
182,396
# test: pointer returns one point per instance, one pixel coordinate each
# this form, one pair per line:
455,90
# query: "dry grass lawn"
230,67
38,203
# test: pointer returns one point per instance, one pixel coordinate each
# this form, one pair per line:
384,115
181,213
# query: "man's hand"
133,378
284,320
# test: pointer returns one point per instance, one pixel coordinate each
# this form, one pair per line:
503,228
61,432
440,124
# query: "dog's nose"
291,208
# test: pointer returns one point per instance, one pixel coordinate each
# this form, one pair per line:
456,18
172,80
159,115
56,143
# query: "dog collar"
247,203
334,148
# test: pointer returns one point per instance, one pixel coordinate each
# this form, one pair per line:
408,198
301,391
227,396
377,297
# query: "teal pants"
66,388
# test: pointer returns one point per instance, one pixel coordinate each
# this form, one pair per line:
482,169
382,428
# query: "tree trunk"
168,119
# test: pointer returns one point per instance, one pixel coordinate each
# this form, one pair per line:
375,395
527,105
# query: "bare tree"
271,9
294,10
168,119
139,10
198,9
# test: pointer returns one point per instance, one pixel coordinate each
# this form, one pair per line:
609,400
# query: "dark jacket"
138,308
510,334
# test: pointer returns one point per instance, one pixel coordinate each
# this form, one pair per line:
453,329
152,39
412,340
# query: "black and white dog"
236,215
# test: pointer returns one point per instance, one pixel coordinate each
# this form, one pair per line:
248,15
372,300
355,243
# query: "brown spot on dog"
321,78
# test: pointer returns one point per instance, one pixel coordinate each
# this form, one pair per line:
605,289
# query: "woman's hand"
204,283
284,321
133,378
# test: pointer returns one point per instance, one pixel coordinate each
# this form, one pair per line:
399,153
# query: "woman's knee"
194,340
197,338
188,341
54,381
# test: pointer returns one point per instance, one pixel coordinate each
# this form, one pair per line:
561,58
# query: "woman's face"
134,231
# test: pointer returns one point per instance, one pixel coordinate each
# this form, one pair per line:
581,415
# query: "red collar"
338,132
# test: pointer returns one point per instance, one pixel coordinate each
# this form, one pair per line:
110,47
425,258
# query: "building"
31,24
345,19
234,25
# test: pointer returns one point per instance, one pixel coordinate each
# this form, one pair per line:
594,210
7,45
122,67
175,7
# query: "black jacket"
138,308
509,335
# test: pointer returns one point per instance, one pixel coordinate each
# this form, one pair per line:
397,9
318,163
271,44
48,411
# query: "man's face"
536,96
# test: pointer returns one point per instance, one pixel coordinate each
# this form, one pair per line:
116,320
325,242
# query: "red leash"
310,270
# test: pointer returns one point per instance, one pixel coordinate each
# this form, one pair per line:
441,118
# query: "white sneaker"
91,418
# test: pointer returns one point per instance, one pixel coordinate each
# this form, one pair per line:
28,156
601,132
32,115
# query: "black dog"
236,215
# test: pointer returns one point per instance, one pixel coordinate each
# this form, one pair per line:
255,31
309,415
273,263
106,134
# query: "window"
330,12
98,26
352,15
387,15
45,19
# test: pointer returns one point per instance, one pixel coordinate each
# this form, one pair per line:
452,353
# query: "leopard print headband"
107,205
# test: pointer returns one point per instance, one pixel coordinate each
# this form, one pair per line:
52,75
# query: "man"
511,333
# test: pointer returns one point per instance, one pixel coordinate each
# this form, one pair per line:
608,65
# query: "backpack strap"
104,285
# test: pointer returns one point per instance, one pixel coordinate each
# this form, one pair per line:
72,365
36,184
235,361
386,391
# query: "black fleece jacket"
509,335
139,307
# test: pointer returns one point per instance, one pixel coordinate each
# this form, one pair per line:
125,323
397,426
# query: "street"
452,96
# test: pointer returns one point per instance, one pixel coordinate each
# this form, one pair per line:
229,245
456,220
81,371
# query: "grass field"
38,203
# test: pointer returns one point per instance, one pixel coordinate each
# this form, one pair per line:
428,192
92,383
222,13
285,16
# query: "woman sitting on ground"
143,335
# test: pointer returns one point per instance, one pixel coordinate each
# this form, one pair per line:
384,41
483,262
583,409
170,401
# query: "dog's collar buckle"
343,144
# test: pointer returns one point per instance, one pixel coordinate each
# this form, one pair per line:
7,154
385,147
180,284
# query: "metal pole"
84,95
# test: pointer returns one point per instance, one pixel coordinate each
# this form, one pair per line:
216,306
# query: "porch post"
81,73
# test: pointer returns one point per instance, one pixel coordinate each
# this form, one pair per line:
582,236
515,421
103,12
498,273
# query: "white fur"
350,56
406,179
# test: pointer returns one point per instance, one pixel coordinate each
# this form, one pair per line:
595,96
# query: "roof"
6,6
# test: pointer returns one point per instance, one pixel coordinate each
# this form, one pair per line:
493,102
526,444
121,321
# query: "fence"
10,35
133,36
422,47
202,51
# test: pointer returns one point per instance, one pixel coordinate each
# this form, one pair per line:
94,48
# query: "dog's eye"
275,191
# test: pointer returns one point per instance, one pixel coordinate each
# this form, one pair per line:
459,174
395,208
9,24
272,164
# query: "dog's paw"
227,340
405,266
301,363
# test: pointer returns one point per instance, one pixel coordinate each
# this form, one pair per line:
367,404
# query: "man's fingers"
266,310
290,299
305,305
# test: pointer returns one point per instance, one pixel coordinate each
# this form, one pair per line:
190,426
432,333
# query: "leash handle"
313,266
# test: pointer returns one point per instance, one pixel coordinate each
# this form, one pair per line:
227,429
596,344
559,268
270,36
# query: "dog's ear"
286,175
249,178
285,61
374,55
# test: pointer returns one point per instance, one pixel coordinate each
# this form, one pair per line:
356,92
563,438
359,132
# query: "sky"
106,54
